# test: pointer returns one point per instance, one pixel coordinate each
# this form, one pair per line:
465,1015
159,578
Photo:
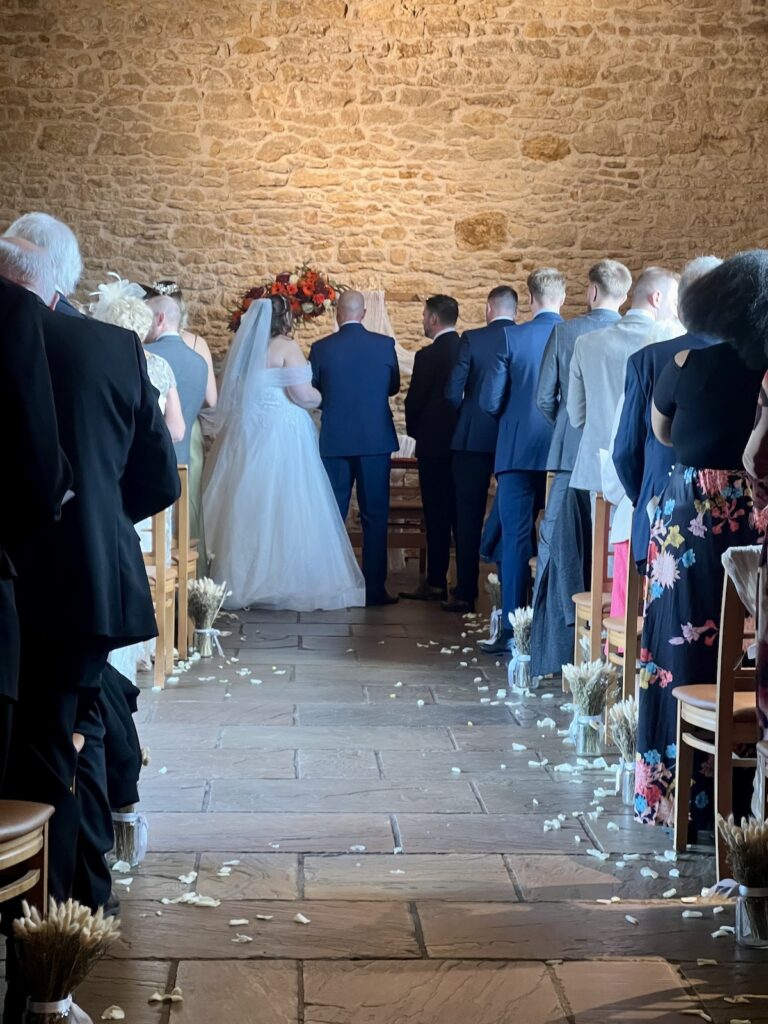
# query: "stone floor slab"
222,764
330,737
492,833
713,983
341,796
268,876
418,876
254,833
226,712
429,993
341,764
238,992
127,985
336,930
574,931
156,877
168,792
630,991
397,712
182,737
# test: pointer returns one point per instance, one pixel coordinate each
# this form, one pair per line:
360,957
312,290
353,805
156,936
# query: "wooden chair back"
24,852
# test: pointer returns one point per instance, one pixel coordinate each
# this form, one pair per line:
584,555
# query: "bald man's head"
28,265
167,316
350,308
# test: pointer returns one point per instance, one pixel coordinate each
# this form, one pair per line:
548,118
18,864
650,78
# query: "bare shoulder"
285,352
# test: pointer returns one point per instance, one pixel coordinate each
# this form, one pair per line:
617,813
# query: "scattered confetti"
357,849
265,917
648,873
121,867
630,919
597,854
162,771
456,771
704,962
669,894
301,919
242,938
239,922
113,1013
692,913
188,879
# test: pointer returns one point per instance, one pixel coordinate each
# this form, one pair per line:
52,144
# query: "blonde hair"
612,279
547,286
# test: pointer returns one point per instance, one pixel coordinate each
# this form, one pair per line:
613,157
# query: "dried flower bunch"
623,722
493,589
747,850
592,685
57,953
520,620
205,601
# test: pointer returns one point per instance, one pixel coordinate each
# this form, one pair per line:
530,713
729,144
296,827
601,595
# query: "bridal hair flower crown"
166,288
308,292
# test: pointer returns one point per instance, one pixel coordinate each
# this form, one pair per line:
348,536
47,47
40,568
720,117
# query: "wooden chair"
762,776
715,718
162,584
591,606
406,515
623,633
184,555
24,852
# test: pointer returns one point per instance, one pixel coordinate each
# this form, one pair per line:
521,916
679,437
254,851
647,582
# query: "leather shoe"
382,599
112,906
458,605
503,644
425,592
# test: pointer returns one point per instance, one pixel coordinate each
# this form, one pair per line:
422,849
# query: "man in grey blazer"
608,285
599,366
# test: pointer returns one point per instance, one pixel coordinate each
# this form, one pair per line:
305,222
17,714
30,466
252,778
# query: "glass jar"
752,917
523,680
627,783
590,735
131,836
50,1013
204,642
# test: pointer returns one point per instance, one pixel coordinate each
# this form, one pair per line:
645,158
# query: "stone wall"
414,145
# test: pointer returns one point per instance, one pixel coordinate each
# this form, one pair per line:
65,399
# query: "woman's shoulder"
284,351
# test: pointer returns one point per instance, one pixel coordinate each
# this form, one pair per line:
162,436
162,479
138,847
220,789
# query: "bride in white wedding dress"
273,526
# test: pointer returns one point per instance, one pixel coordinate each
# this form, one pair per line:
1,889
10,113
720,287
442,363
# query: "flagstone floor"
358,769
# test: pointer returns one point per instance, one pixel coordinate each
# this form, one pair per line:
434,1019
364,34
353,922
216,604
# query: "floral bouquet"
205,601
593,685
622,718
309,294
493,589
56,954
519,668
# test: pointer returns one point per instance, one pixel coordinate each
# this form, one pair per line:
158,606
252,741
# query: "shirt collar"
641,312
168,334
445,330
503,316
552,312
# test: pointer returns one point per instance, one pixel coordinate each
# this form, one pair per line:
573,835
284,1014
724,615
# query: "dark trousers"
57,684
521,496
472,472
369,474
92,882
9,669
555,502
439,503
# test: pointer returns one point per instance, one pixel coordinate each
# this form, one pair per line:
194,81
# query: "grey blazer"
552,391
596,384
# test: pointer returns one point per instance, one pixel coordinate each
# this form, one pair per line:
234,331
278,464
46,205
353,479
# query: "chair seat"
615,624
18,817
705,697
586,599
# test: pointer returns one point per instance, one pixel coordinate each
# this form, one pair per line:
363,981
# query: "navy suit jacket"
429,418
509,393
552,391
475,431
356,372
643,463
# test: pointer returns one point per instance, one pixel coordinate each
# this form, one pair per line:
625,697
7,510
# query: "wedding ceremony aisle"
361,769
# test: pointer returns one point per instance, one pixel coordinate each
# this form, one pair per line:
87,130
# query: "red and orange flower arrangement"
309,292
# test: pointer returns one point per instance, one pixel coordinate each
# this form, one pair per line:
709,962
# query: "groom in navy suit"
356,372
509,393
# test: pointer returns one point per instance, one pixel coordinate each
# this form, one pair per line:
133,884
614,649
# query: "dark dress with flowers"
706,507
756,462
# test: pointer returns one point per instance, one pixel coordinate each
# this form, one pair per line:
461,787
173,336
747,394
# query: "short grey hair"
30,268
60,241
696,268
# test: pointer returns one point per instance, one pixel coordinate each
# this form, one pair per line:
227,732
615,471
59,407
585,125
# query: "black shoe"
458,605
382,599
503,644
425,592
112,906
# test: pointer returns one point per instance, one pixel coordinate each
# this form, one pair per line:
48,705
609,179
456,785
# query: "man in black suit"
474,439
60,241
35,469
82,587
430,420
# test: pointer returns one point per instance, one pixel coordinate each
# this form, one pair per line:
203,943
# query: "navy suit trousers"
521,496
472,472
370,475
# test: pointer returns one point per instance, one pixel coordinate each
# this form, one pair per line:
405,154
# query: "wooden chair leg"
183,613
683,773
158,678
723,803
170,607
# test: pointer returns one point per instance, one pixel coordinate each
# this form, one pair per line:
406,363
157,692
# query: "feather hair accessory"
121,302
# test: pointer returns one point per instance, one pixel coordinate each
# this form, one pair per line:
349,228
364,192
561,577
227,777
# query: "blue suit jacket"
509,393
475,431
356,371
643,463
552,392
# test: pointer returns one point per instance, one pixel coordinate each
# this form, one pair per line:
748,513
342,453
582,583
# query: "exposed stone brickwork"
409,144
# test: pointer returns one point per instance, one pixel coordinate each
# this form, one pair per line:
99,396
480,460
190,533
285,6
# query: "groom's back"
356,371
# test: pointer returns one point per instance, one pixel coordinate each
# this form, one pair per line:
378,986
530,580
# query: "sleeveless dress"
274,531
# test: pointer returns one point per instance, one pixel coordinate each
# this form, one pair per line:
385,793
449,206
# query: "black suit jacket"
475,431
430,419
35,471
84,576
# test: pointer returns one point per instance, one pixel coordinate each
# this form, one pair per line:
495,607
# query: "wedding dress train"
273,528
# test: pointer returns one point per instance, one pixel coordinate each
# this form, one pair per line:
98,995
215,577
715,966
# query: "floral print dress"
756,463
701,513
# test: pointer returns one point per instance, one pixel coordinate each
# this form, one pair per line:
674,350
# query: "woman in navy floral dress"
704,406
